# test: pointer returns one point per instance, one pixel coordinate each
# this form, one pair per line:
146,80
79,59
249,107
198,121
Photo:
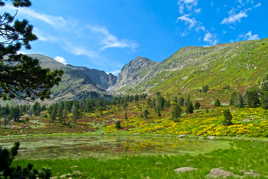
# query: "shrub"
252,98
237,100
189,108
264,93
176,112
217,103
227,117
205,89
118,125
9,171
145,114
197,105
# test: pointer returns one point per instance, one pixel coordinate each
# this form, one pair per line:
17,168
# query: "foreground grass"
242,155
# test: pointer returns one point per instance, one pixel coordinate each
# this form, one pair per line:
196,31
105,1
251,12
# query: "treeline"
65,111
15,112
68,112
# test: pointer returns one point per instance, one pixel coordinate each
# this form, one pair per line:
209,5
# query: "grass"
240,155
47,147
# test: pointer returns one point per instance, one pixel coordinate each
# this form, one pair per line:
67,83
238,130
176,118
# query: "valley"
203,108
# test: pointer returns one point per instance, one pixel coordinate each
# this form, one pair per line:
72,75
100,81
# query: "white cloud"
84,52
61,60
249,36
42,36
210,38
186,5
237,13
111,41
55,21
234,18
191,22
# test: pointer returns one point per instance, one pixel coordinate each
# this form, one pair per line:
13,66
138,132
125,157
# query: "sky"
106,34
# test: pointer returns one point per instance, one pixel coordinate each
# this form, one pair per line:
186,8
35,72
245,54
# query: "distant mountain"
77,82
236,65
133,72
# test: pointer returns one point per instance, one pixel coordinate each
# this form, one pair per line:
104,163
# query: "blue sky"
106,34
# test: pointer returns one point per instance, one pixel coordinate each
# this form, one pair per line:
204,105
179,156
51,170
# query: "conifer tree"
189,107
181,101
227,117
217,103
197,105
237,100
176,112
205,89
252,98
264,93
75,112
21,76
145,114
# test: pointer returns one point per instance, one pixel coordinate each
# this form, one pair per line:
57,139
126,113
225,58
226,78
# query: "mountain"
77,82
132,73
236,65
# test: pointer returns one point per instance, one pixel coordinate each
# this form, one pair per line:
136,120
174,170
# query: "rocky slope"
77,82
238,65
132,73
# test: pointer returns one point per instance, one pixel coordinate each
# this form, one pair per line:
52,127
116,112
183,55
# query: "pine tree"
118,124
217,103
21,76
197,105
264,93
181,101
75,112
237,100
189,107
205,89
36,109
176,112
145,114
53,113
227,117
252,98
8,170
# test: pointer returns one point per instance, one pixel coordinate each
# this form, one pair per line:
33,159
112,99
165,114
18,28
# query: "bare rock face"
185,169
77,82
133,72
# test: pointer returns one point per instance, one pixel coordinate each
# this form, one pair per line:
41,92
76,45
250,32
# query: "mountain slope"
238,65
77,82
133,72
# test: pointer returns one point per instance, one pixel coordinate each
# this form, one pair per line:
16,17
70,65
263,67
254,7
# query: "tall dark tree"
190,107
36,109
20,75
197,105
264,93
7,170
252,98
237,100
227,117
217,103
205,89
181,101
176,112
145,114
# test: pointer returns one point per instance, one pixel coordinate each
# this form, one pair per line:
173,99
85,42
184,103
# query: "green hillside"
235,66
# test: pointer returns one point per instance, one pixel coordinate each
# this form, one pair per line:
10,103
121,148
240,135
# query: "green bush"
217,103
18,172
227,117
118,125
